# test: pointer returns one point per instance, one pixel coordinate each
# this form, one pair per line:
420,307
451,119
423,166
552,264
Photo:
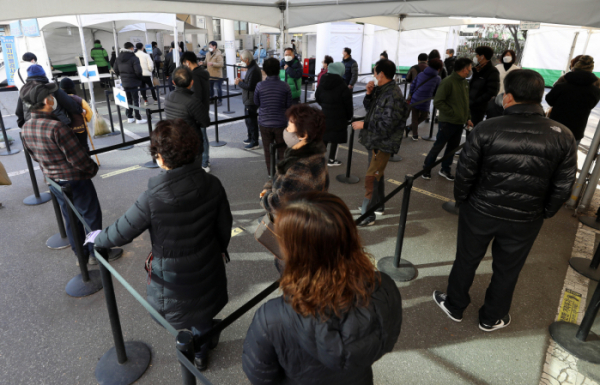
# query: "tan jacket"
216,58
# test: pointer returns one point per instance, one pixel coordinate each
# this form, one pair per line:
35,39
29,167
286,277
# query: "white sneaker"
145,103
130,120
207,169
141,121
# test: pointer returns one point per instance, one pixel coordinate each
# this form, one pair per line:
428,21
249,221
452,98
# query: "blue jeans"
448,135
219,84
86,201
205,146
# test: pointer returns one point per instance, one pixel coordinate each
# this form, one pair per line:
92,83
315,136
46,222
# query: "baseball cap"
38,92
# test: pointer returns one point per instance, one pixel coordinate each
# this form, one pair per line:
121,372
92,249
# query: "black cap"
28,56
67,84
38,92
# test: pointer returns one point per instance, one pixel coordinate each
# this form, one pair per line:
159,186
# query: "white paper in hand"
91,237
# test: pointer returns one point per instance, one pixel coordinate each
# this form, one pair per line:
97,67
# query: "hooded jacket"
424,87
518,167
128,67
181,104
283,347
99,56
335,99
484,86
188,215
572,101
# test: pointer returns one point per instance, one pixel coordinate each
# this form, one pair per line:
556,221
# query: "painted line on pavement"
424,192
355,150
122,171
21,172
237,231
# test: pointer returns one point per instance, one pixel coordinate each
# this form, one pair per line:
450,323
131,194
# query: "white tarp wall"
412,43
332,38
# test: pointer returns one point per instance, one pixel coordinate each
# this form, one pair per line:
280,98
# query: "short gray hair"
247,55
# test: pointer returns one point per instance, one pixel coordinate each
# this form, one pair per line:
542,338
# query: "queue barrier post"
60,240
592,222
152,163
112,125
185,344
124,363
159,107
8,150
574,338
431,138
306,91
122,130
347,178
400,269
587,268
228,105
88,282
217,142
36,198
451,207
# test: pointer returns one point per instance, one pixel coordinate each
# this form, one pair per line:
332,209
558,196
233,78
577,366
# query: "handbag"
4,179
155,81
266,236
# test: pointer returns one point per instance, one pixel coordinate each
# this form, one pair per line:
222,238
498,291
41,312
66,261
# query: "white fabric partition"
412,43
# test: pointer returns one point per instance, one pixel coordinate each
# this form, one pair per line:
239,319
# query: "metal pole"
305,92
217,142
591,188
74,221
36,198
403,217
112,125
228,105
185,344
85,59
590,316
347,178
122,129
60,240
152,163
6,141
585,169
159,107
431,123
116,38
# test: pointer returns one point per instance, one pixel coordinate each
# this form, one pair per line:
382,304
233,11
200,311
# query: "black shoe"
251,146
501,323
219,103
440,300
447,175
415,138
215,339
427,120
426,175
201,363
367,222
247,141
334,163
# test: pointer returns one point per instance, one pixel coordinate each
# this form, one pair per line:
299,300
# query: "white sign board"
120,97
527,25
229,44
89,74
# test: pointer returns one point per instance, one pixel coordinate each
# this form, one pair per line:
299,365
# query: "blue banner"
148,49
15,29
30,28
11,62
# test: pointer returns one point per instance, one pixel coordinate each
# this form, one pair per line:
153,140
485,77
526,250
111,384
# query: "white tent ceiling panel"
412,43
421,22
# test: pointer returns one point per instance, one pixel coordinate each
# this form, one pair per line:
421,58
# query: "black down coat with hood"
128,67
517,167
188,215
283,347
335,99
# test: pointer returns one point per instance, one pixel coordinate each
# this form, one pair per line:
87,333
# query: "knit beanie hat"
35,70
586,63
336,68
67,84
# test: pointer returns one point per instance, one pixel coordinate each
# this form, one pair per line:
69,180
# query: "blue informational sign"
148,49
15,29
30,28
11,62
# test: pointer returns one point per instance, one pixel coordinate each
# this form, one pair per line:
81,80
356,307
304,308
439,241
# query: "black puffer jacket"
181,104
573,100
484,86
128,67
248,86
518,167
188,215
283,347
335,99
201,90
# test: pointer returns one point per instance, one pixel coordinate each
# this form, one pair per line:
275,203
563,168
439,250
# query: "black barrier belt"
118,146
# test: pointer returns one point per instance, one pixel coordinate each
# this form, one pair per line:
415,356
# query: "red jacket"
323,72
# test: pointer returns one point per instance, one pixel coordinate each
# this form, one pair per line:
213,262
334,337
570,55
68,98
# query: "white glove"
91,237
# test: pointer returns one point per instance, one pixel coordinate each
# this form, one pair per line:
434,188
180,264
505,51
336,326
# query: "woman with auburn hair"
337,315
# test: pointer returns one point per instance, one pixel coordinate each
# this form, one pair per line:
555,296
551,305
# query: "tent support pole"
116,39
85,59
176,44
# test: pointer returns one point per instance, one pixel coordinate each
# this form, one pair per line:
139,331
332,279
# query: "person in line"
147,65
291,73
452,101
20,77
573,100
484,84
170,66
383,55
326,62
201,91
571,69
78,121
100,58
294,47
435,55
337,315
381,132
422,88
336,102
214,63
181,104
248,86
272,97
113,58
303,167
156,57
129,69
449,61
260,54
202,53
64,108
63,159
542,174
351,68
187,213
508,58
417,68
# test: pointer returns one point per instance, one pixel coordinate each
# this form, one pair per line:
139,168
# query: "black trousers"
252,123
133,99
448,135
511,244
147,82
333,148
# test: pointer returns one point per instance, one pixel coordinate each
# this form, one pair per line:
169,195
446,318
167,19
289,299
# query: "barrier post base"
395,159
582,266
590,221
56,242
11,152
32,200
217,143
77,288
150,164
352,179
405,271
110,372
563,333
117,132
450,207
228,112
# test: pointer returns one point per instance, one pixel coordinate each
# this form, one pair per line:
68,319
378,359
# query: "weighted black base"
228,112
110,372
429,138
563,333
125,148
352,179
150,164
217,144
450,207
11,152
582,266
590,221
56,242
107,135
77,288
395,159
405,271
32,200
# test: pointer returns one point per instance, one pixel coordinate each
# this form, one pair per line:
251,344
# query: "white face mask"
446,56
243,64
54,105
475,60
290,138
507,59
375,81
288,58
211,49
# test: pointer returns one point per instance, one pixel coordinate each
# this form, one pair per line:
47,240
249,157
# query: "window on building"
240,27
217,29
